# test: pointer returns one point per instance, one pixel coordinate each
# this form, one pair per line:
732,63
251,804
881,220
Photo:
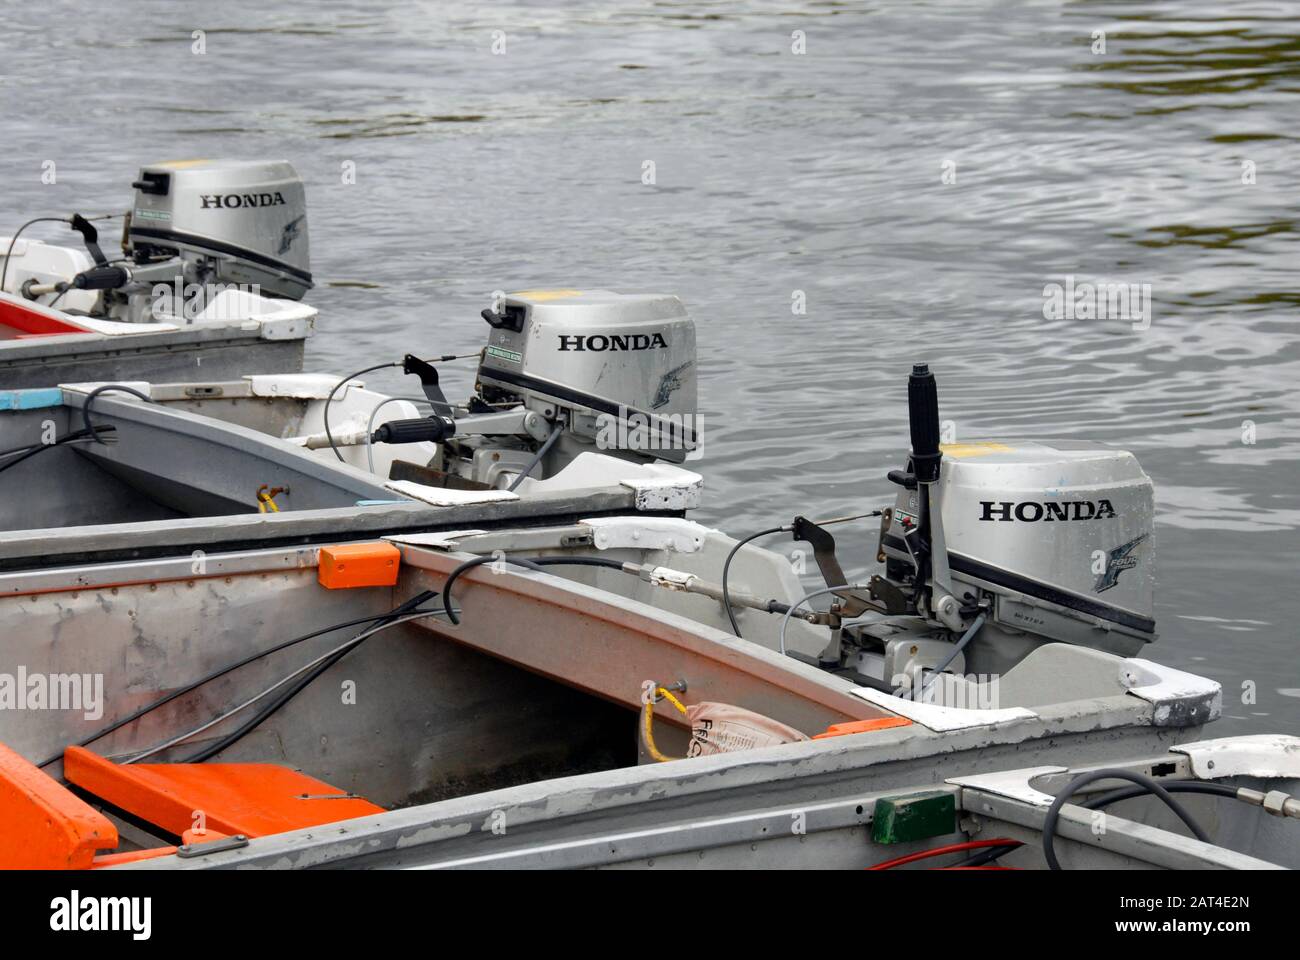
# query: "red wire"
950,848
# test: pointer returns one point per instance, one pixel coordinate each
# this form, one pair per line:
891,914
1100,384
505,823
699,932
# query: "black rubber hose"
215,675
1105,800
66,438
266,712
537,563
1074,786
23,453
106,388
57,297
25,448
726,569
987,856
288,694
1176,786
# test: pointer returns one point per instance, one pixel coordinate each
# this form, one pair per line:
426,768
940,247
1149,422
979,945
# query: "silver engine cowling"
1059,533
621,365
992,550
237,221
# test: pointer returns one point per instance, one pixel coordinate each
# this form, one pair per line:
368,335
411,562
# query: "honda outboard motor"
238,221
564,373
196,230
1058,532
620,366
990,550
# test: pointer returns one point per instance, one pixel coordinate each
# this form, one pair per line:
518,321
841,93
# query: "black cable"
215,675
106,388
59,296
4,270
726,568
988,856
1081,781
537,563
23,449
1176,786
91,430
78,434
550,442
22,453
330,399
388,620
445,358
469,565
1105,800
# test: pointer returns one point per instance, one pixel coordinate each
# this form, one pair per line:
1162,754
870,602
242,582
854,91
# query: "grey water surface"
919,174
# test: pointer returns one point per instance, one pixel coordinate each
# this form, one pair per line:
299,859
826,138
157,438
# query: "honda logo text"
1032,511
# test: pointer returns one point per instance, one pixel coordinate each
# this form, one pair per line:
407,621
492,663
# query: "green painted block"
914,817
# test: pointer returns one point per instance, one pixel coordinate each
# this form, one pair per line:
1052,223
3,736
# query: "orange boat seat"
253,799
44,826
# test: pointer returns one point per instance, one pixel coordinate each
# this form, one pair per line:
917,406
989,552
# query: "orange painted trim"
862,726
189,838
131,856
43,825
347,565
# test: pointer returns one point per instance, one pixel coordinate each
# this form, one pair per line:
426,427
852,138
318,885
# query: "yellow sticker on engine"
546,294
960,450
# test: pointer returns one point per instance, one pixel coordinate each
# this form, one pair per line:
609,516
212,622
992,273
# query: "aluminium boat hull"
40,347
449,726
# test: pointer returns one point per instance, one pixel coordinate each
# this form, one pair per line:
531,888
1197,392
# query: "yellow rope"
647,716
673,700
